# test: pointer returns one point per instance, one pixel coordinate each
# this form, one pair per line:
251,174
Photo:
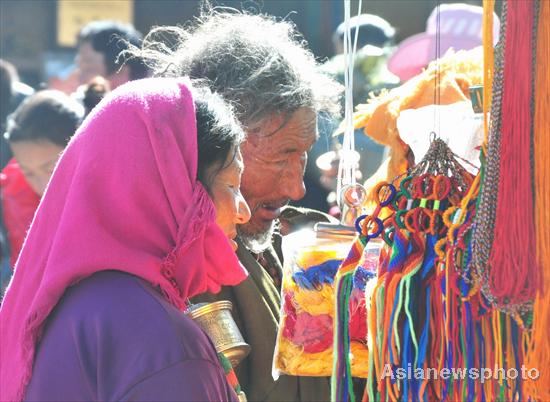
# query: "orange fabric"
19,203
378,117
538,352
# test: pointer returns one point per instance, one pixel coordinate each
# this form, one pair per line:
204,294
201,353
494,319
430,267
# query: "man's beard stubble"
256,241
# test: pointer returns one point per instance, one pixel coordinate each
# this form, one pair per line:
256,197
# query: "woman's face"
231,207
37,160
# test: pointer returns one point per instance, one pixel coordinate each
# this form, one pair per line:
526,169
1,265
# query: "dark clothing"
256,309
113,337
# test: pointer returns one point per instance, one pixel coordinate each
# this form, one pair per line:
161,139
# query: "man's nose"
294,187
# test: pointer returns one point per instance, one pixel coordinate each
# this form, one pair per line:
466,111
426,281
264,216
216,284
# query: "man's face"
90,63
275,156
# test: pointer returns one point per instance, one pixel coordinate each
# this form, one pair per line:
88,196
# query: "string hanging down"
349,193
437,76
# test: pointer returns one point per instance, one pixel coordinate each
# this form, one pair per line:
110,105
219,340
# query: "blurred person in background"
94,92
460,28
261,66
100,52
375,42
39,130
13,92
37,133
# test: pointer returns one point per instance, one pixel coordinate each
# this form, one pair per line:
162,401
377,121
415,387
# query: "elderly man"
273,82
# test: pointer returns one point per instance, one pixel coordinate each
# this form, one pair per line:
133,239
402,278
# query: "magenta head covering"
123,196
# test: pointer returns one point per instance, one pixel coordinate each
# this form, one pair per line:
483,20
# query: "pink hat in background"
460,28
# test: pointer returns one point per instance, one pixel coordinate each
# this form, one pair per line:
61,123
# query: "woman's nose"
243,212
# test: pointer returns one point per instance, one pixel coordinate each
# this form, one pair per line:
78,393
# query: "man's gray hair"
258,64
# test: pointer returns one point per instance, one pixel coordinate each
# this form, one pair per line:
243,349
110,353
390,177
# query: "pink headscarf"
123,196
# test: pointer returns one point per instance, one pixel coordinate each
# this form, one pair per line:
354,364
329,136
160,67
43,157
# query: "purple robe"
113,337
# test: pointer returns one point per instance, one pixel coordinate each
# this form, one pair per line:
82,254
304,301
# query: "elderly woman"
138,217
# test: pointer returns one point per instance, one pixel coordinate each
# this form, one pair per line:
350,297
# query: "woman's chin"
233,244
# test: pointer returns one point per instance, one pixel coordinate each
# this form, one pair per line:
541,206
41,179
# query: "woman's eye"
236,190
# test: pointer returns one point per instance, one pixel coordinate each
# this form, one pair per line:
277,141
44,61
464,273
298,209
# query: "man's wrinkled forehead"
299,128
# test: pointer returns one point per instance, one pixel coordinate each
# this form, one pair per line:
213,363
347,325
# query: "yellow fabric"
291,359
309,257
315,302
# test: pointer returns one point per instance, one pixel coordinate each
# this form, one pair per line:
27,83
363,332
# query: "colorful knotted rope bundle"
465,334
368,227
475,335
406,316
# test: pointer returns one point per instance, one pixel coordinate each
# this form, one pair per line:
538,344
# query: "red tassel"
514,276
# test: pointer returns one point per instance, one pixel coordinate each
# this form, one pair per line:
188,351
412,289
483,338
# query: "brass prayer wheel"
216,320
